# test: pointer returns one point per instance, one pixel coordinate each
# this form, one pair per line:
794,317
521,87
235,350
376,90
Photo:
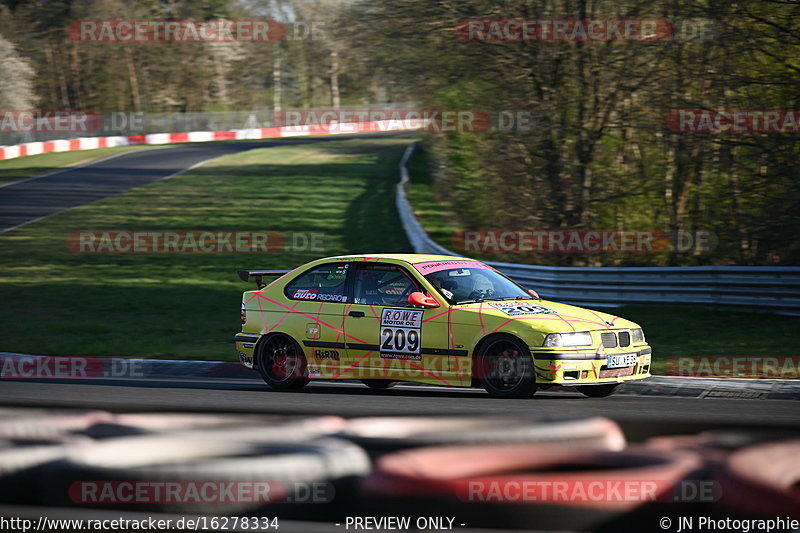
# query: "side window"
384,285
325,283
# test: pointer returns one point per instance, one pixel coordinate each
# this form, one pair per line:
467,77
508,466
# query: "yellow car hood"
543,315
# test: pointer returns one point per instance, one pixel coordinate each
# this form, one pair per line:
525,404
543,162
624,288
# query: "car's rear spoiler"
258,275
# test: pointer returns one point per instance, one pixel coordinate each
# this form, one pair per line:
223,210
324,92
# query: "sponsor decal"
401,333
436,266
333,355
305,294
404,356
331,298
245,359
340,272
314,372
521,308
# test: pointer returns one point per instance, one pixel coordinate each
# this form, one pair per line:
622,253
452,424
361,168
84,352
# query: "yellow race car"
430,319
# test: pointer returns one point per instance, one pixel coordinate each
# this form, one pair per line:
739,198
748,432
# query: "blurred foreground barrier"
383,434
763,480
193,473
774,288
716,445
551,486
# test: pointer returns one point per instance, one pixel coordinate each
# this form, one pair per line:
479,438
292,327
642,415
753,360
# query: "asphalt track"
645,415
29,200
32,199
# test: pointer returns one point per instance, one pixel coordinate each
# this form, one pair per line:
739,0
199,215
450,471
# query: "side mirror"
417,298
534,294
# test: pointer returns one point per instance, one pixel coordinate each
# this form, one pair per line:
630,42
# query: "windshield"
465,285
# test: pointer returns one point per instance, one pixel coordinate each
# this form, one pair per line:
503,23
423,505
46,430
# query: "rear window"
324,283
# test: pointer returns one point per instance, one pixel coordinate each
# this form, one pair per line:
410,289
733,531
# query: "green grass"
187,305
706,331
670,330
432,211
29,166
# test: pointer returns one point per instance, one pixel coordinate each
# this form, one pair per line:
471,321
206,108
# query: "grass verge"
186,306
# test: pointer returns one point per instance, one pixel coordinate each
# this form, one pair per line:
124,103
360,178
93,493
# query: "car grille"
609,340
624,339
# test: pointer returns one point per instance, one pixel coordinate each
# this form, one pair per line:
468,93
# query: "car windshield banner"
435,266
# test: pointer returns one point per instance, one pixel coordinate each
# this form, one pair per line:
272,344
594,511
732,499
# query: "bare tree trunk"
134,81
277,89
334,72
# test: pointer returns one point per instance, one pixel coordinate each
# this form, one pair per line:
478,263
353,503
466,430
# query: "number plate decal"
620,361
401,334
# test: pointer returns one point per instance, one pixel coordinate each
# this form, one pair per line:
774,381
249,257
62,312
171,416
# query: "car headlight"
580,338
637,335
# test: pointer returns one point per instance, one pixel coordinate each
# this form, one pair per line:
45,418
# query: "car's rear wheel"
505,368
599,391
282,364
378,383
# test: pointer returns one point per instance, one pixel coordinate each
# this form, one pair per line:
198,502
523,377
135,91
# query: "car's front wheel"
599,391
282,364
504,367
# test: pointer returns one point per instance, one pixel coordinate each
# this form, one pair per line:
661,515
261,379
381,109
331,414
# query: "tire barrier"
488,472
187,473
22,463
763,480
35,424
716,445
519,485
217,426
384,434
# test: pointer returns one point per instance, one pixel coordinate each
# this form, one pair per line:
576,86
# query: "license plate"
619,361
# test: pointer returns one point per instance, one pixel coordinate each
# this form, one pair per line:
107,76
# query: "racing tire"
379,435
762,480
282,364
92,476
599,391
378,383
472,482
505,369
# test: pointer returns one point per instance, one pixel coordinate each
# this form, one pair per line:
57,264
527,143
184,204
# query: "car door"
318,298
388,338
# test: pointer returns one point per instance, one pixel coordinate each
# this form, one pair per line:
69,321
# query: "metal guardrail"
770,288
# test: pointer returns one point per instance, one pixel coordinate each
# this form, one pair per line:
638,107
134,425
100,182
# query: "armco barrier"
773,288
91,143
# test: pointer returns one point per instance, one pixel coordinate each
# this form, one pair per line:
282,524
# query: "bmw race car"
429,319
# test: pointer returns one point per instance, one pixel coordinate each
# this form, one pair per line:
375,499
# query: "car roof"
408,258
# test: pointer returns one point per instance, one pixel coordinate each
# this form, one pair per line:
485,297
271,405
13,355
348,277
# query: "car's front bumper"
584,368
